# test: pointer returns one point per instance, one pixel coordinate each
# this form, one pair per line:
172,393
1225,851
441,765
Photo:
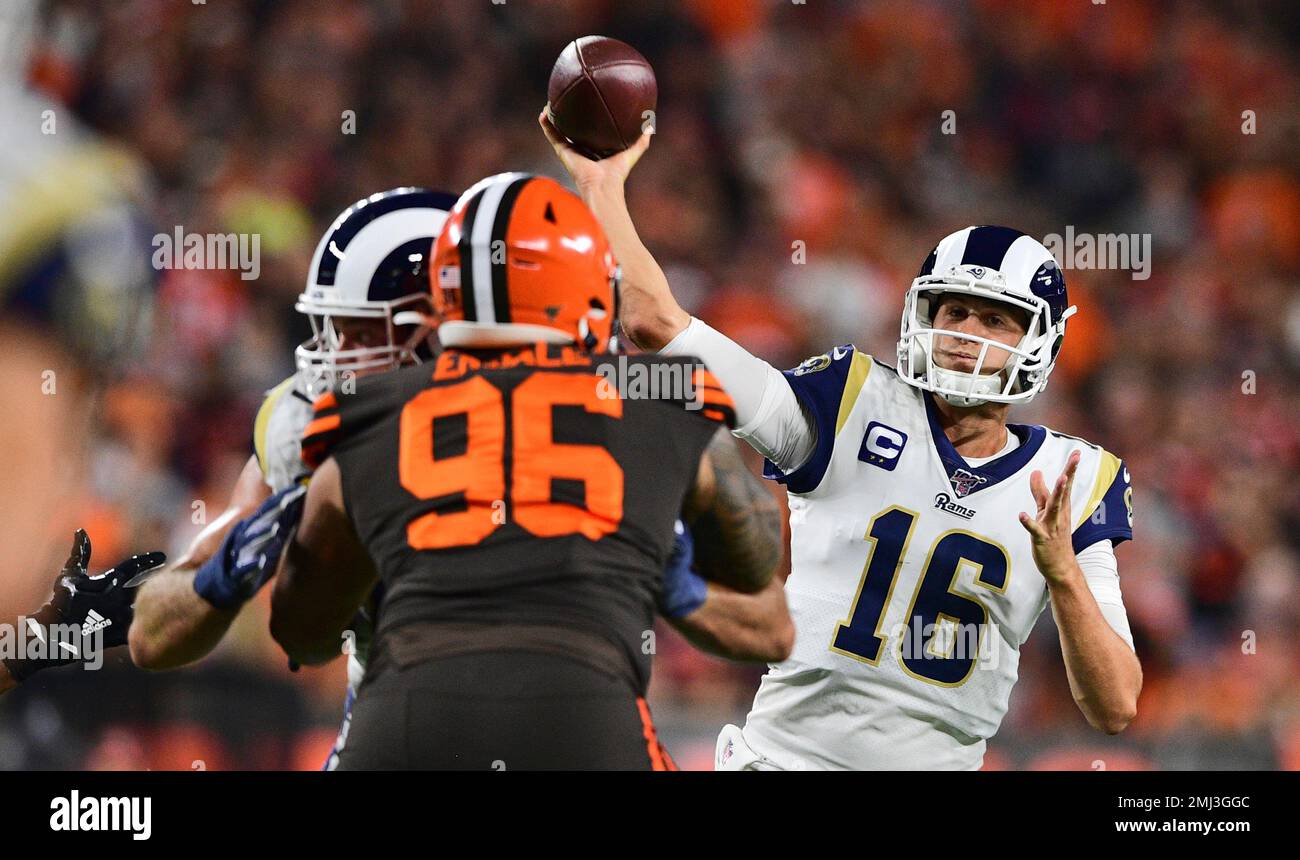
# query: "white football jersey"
913,583
277,434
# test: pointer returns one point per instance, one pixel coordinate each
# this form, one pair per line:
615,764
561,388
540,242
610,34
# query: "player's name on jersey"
209,251
621,377
453,364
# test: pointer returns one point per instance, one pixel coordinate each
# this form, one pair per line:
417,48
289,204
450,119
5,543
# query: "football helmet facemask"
372,263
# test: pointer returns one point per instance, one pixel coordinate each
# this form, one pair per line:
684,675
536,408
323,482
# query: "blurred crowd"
807,158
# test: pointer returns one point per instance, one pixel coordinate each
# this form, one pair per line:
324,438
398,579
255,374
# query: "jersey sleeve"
1101,573
1108,513
768,415
826,386
324,431
340,420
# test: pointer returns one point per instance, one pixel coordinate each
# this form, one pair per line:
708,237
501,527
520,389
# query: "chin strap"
984,384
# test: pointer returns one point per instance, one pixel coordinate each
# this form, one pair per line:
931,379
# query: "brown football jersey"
533,487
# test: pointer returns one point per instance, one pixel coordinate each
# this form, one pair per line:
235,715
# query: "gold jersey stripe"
861,366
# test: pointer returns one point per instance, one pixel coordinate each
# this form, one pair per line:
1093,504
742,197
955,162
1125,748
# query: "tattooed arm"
731,535
735,522
749,627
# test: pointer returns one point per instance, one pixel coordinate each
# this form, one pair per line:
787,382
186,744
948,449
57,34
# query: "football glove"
90,612
684,590
251,551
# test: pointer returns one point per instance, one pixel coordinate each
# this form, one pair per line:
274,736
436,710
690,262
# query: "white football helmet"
372,263
995,263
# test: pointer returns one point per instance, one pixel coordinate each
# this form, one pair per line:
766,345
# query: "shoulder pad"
263,421
827,386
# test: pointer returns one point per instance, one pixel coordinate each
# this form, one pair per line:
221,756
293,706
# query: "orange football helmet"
521,259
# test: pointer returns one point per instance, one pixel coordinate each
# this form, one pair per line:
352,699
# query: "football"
601,94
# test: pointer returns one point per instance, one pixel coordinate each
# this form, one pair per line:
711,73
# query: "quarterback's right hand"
589,175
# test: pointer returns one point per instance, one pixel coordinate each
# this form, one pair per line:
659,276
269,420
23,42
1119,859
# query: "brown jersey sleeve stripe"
325,403
322,425
318,437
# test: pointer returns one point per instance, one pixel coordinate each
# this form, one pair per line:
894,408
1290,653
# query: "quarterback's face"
982,317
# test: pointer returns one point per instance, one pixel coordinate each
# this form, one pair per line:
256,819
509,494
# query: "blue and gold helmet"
999,264
372,263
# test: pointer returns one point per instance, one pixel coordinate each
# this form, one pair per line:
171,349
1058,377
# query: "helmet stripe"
383,282
364,212
500,286
987,246
480,237
466,250
927,266
949,251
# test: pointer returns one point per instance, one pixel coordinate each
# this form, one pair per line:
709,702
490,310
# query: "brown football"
599,94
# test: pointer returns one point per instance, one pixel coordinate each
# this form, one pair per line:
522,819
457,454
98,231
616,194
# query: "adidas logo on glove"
94,623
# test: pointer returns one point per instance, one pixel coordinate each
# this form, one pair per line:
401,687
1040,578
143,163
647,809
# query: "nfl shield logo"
964,482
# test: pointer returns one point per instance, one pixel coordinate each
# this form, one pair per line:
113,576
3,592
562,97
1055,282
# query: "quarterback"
925,539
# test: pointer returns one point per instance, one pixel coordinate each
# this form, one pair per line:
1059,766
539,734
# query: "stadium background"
778,123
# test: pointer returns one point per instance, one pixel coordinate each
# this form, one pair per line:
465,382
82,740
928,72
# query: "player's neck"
976,431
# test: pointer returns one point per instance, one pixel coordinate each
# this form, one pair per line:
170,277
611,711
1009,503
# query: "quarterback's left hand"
1050,528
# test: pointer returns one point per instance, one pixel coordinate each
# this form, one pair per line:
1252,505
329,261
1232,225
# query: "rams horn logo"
814,364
